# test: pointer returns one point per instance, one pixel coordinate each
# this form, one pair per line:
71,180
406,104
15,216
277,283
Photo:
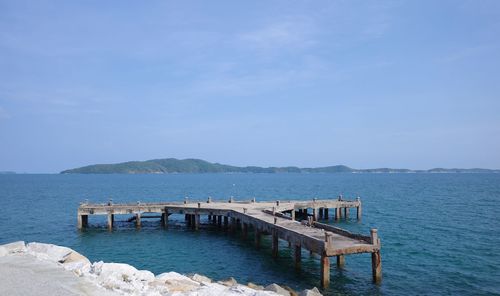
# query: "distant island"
7,173
173,165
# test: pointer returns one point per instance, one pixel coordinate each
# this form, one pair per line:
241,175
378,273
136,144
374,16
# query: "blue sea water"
440,233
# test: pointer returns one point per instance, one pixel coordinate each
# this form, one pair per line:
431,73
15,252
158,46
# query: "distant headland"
173,165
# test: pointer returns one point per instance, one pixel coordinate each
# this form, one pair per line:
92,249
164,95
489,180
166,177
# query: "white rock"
313,292
121,277
228,282
176,282
200,278
48,252
12,248
277,289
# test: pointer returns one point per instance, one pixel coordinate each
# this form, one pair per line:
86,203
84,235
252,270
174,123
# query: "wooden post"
340,261
374,236
298,256
275,244
376,259
325,271
257,237
376,267
111,219
138,220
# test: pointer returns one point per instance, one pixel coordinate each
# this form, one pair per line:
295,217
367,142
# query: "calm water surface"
440,232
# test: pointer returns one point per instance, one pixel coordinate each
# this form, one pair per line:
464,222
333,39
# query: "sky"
401,84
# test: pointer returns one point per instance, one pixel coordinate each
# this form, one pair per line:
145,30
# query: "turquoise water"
440,232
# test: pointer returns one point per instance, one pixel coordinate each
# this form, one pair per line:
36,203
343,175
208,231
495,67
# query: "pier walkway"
296,222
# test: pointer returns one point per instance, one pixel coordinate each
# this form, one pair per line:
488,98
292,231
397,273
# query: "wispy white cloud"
467,52
294,33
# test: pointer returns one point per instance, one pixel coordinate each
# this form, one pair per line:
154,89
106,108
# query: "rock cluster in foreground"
47,264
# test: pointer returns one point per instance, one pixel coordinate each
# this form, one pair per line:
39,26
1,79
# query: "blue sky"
412,84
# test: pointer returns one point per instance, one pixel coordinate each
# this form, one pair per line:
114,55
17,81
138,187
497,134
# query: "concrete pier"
277,219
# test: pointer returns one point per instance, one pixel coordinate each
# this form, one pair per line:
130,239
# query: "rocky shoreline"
46,269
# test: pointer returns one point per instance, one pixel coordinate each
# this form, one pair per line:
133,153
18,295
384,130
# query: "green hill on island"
173,165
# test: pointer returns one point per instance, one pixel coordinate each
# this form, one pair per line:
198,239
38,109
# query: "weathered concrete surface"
26,275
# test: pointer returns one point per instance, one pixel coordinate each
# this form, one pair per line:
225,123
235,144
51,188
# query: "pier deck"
278,219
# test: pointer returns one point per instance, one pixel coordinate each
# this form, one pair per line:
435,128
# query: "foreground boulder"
12,248
122,277
228,282
313,292
200,279
277,289
175,282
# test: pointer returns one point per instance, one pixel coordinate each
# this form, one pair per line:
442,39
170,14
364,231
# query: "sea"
440,233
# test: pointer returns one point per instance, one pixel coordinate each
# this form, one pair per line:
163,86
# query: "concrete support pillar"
138,220
275,244
225,221
293,214
337,214
346,213
325,271
358,212
298,256
325,213
315,214
321,213
193,221
164,218
340,261
111,220
219,220
244,228
258,235
340,213
197,221
209,218
232,226
82,221
214,219
376,267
